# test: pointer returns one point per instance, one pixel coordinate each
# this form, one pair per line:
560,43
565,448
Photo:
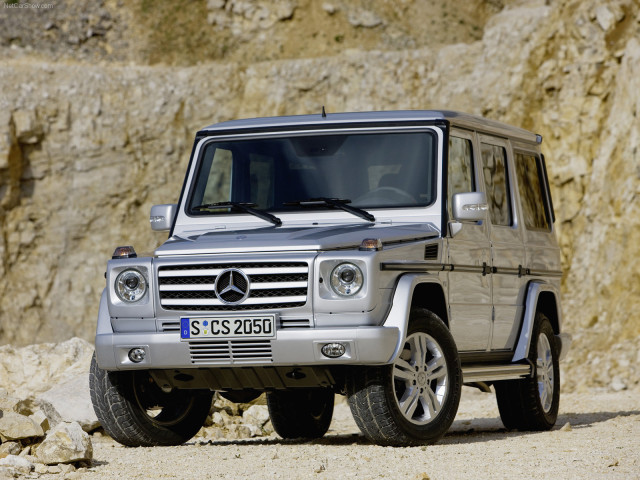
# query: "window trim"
431,130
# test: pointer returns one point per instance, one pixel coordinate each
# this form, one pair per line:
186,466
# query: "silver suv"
387,256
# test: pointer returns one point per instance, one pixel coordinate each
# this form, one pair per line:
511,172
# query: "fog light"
333,350
136,355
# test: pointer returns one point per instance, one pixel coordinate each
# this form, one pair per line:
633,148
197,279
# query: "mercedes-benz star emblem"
232,286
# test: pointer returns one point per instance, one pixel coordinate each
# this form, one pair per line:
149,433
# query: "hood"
278,239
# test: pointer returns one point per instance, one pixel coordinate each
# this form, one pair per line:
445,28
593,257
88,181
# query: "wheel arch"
541,297
415,291
430,295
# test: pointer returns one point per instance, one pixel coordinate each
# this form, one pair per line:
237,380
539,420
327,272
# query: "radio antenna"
324,114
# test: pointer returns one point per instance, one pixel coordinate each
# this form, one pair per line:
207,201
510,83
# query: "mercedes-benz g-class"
387,256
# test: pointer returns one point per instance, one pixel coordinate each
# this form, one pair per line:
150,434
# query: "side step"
492,373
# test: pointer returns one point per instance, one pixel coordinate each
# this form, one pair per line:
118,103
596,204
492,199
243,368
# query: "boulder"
256,415
65,443
70,401
18,464
14,426
32,370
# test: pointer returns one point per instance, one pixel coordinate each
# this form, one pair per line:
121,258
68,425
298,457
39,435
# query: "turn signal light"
124,252
371,244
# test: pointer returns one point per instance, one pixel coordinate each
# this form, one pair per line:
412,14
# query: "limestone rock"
7,401
14,426
364,18
9,448
256,415
32,370
65,443
17,463
40,418
70,401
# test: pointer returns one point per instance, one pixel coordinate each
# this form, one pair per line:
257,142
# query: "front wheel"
135,412
414,400
301,413
532,403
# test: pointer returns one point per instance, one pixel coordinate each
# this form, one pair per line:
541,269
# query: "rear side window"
496,180
529,173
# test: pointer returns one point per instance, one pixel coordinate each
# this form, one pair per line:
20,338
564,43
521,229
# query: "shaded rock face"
85,150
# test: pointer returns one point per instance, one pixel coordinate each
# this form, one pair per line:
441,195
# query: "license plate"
262,326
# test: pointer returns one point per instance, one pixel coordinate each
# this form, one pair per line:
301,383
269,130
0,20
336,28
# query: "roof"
395,117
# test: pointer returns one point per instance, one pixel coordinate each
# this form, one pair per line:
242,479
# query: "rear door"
507,246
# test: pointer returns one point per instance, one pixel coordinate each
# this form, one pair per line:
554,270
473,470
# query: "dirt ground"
597,436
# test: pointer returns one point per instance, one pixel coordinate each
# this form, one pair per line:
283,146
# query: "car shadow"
484,429
462,431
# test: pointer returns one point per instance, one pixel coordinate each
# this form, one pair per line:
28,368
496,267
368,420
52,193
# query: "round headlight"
346,279
130,286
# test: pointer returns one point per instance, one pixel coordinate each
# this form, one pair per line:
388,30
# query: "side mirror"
162,217
470,207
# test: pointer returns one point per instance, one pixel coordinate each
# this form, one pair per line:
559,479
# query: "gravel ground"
597,436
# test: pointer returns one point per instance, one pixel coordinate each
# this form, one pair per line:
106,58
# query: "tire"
135,412
304,413
532,403
414,400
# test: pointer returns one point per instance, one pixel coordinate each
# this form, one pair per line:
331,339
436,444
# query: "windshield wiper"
341,203
245,207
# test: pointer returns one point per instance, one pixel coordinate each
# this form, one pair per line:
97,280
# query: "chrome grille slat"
215,301
230,351
209,286
273,285
295,323
216,271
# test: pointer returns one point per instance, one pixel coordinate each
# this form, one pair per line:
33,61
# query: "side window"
218,180
529,173
496,180
460,171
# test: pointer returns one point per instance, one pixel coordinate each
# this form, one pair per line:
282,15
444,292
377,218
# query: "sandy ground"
597,436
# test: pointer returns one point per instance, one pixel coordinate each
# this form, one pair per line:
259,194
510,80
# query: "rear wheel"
135,412
414,400
532,403
301,413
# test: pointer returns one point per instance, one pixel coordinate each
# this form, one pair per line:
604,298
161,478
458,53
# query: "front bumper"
364,346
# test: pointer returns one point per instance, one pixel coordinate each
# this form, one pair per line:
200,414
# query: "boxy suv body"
387,256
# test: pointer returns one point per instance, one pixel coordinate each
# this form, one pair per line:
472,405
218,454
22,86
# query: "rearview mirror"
470,207
162,216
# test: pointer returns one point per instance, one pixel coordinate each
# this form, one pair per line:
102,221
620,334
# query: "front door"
469,254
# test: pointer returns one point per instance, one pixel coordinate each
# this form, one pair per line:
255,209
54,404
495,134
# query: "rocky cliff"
92,136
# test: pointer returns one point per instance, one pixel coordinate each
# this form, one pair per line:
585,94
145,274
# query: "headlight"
130,286
346,279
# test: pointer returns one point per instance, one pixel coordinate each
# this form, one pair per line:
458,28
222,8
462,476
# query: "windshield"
380,170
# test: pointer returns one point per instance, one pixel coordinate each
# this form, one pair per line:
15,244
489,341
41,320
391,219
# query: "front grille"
295,323
271,286
170,327
230,351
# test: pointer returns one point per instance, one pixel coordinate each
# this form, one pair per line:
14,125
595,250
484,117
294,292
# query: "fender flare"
400,311
534,289
104,318
104,333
